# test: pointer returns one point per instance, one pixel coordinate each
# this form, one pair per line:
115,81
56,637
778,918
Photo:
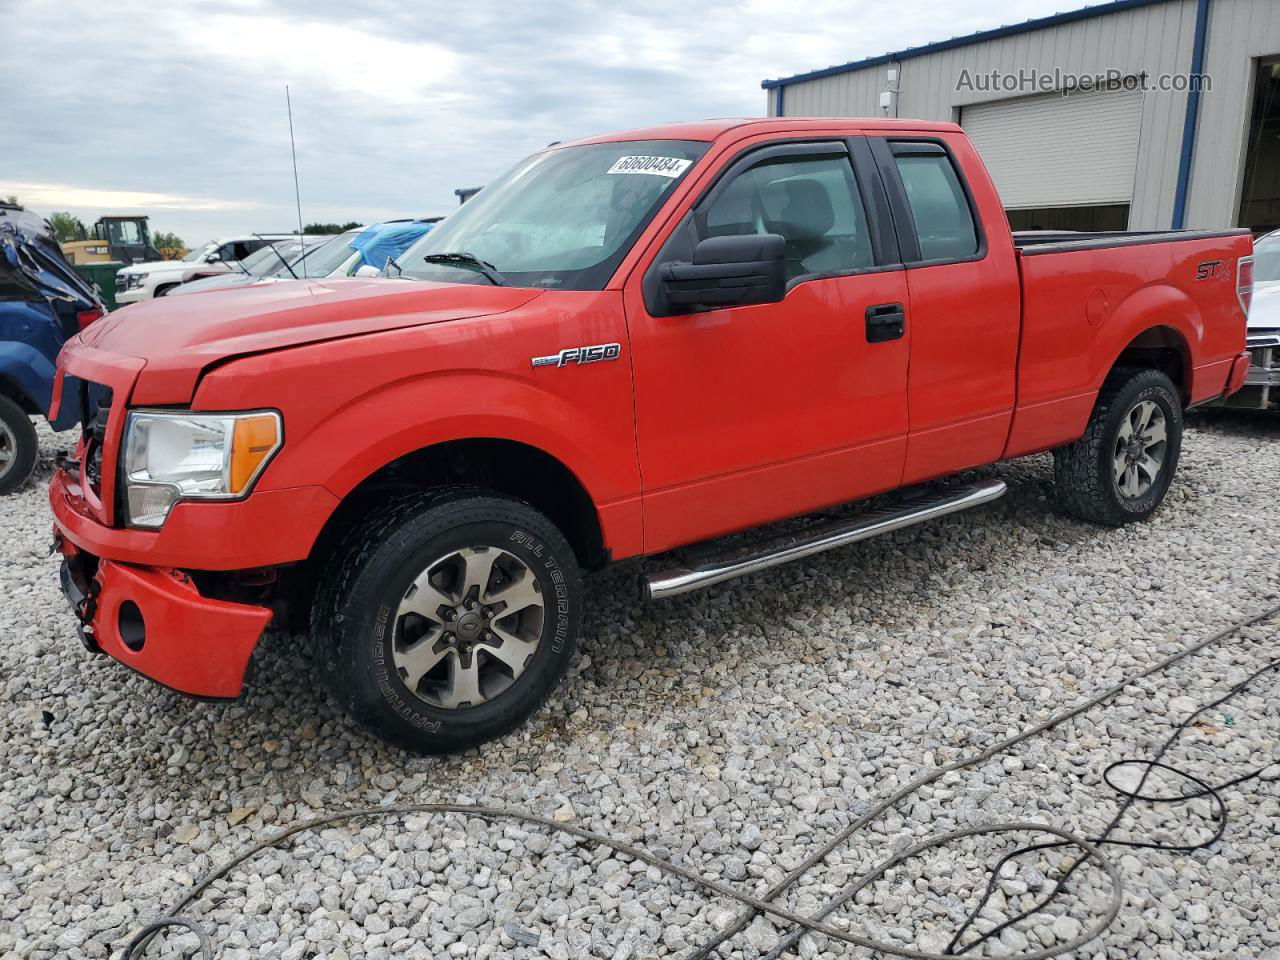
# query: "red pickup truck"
626,345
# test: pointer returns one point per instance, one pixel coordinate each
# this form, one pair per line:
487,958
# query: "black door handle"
885,321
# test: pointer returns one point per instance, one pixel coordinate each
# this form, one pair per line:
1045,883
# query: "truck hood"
178,338
158,266
219,281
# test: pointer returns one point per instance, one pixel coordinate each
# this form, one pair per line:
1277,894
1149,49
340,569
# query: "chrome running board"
752,558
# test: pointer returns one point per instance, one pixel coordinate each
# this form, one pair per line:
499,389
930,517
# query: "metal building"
1138,114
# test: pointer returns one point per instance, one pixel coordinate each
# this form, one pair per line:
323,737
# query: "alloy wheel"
1140,449
467,627
8,449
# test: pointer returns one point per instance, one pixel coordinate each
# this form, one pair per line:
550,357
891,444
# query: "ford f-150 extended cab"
624,346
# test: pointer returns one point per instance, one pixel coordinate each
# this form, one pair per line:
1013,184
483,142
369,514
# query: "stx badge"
592,354
1210,269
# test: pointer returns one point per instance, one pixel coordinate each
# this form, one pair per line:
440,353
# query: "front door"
749,414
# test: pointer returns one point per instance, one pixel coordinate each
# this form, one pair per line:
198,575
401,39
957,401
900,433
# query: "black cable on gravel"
957,945
1090,848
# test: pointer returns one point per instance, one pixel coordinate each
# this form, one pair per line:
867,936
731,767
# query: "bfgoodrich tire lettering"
1085,472
358,619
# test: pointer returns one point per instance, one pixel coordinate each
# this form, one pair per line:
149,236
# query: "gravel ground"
733,731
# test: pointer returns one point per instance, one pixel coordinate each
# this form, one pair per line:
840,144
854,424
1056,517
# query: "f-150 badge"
595,353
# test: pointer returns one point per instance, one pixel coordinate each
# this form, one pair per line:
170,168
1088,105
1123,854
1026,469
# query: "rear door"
965,303
748,414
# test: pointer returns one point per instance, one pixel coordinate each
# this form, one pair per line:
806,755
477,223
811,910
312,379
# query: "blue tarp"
388,239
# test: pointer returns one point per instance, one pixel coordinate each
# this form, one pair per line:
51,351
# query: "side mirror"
214,257
734,271
368,270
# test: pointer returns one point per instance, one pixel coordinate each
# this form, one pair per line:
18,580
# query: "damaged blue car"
42,304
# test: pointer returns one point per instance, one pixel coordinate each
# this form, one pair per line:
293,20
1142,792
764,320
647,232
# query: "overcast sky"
177,109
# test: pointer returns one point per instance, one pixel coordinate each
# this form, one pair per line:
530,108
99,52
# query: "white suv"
142,281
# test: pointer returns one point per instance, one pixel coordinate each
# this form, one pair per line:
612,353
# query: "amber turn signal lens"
254,440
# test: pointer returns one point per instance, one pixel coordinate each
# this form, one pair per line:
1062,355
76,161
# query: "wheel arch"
26,377
497,464
10,388
1162,348
1157,327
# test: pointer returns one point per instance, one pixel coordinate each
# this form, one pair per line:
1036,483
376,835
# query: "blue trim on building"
1057,19
780,92
1192,120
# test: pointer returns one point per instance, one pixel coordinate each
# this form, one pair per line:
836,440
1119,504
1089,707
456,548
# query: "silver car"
1261,389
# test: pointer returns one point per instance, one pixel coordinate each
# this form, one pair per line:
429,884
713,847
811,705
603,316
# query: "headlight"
193,456
132,280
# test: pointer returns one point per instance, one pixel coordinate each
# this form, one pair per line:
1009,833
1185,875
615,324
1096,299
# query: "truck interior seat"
806,217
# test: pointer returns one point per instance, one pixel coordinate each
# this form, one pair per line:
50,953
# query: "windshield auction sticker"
654,166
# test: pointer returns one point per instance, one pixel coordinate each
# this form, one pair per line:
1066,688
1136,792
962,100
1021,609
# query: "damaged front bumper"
155,621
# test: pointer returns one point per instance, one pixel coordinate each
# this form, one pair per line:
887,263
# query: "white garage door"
1056,151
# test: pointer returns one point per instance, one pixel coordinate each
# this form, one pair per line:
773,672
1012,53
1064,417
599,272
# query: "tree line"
68,228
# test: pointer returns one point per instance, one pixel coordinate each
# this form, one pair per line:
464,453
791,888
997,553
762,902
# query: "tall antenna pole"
297,193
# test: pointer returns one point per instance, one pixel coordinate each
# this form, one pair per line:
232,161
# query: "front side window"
563,218
238,250
944,222
124,232
814,204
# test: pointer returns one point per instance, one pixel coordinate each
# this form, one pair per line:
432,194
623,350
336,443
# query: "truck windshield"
1266,259
563,218
262,263
322,260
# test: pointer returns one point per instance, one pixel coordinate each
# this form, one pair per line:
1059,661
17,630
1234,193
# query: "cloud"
60,195
334,55
395,105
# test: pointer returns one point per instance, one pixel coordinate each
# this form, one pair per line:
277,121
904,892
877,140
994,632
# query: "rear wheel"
1121,469
18,446
448,618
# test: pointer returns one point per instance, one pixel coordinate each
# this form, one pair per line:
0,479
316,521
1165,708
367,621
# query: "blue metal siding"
1192,118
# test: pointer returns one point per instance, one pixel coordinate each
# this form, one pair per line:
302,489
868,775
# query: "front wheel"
1120,470
18,446
448,618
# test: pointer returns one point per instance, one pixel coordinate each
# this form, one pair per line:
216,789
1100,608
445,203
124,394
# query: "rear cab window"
941,218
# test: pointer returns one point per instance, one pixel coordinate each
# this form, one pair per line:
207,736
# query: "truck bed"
1084,305
1033,242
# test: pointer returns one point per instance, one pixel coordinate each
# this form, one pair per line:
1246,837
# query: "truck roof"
715,129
